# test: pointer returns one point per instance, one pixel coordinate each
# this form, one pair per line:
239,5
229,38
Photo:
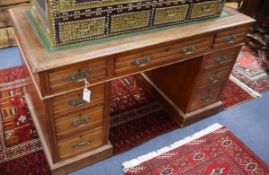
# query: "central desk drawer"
71,77
142,59
79,121
81,143
73,101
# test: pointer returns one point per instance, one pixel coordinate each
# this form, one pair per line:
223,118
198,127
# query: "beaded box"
71,21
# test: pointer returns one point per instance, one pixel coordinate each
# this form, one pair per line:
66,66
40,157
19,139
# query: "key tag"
86,92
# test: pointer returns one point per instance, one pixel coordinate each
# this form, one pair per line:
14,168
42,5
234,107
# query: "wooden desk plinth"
184,67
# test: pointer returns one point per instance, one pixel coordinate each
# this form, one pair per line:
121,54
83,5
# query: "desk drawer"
230,37
143,59
71,77
73,101
220,59
79,121
81,143
205,96
213,77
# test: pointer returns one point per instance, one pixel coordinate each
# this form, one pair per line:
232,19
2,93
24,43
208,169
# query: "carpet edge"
137,161
245,87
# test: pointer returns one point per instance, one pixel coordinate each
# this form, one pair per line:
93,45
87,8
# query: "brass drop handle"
188,49
206,98
79,122
214,79
80,75
81,144
222,59
230,38
142,61
76,102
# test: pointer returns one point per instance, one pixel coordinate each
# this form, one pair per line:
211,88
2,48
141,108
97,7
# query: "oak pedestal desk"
184,67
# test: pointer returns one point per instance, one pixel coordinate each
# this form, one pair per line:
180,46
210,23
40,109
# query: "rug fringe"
135,162
250,91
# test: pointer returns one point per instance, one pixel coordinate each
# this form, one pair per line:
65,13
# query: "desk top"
40,59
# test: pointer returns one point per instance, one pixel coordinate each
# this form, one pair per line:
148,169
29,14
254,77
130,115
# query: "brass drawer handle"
81,144
206,98
143,61
188,49
222,59
214,79
80,75
230,38
76,102
79,122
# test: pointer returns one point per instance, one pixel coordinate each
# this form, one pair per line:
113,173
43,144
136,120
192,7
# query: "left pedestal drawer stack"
71,129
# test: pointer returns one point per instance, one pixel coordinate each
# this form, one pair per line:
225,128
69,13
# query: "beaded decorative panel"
72,21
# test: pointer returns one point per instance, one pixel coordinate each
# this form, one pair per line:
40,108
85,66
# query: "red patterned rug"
135,113
233,95
132,106
20,148
212,151
249,71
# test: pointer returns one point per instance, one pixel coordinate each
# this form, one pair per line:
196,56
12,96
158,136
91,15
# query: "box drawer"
73,101
166,15
230,37
142,59
220,59
120,23
71,77
205,96
79,121
81,143
206,9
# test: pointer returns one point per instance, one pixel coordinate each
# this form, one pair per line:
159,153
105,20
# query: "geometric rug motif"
128,94
31,164
249,71
135,116
18,136
214,150
233,95
135,132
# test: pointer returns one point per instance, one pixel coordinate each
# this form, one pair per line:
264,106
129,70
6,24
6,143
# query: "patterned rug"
132,106
17,133
212,151
20,148
234,95
248,70
136,113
